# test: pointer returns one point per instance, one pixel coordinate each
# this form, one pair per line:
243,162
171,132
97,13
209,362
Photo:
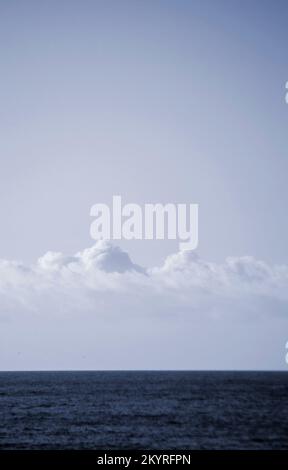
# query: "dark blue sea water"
144,410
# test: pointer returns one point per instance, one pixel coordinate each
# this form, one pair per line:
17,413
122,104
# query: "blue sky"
156,101
159,101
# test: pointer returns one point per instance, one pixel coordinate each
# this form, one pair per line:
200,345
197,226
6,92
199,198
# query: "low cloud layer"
184,277
188,313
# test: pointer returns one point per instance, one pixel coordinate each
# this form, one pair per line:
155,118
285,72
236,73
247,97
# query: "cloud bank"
184,279
97,304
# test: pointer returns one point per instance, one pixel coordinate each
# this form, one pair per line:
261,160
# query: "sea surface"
143,410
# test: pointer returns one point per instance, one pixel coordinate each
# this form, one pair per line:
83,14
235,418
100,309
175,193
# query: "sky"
157,101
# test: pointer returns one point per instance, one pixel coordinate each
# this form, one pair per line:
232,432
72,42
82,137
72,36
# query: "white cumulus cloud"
98,304
184,279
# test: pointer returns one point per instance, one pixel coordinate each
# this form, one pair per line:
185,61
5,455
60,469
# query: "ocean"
143,410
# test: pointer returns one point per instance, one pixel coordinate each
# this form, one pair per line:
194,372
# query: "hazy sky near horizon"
157,101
